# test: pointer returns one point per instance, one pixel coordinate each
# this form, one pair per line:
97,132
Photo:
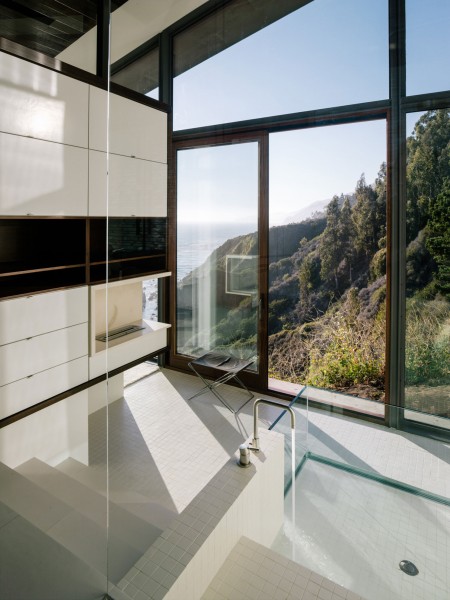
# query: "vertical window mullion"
397,152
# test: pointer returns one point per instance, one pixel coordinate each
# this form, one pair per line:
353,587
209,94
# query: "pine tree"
438,240
346,236
365,219
428,164
330,248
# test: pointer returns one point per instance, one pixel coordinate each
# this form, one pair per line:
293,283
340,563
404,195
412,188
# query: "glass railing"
368,507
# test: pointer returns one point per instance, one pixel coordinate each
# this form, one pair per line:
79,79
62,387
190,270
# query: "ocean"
195,242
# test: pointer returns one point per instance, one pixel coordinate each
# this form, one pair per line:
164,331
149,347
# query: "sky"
328,53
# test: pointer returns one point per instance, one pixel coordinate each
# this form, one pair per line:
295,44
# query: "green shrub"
348,350
427,342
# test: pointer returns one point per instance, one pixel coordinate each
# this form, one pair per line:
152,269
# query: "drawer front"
136,187
128,351
56,181
24,393
28,357
40,103
29,316
135,129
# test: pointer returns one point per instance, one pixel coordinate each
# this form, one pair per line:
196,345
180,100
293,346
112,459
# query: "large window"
428,267
327,263
427,46
326,53
141,75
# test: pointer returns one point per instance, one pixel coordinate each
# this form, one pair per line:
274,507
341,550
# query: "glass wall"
327,263
427,357
141,75
217,249
427,46
323,54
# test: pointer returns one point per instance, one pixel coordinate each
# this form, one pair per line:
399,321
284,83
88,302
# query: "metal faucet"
255,442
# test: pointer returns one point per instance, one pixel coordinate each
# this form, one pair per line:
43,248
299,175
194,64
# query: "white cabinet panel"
42,178
136,187
26,317
135,129
26,392
30,356
40,103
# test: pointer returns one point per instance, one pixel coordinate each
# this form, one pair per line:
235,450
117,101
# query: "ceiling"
48,26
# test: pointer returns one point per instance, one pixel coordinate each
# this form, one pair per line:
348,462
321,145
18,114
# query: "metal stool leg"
211,386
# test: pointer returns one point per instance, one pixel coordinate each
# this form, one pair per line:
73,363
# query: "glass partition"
217,250
355,510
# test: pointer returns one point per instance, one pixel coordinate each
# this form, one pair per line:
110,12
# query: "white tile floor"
252,572
356,531
164,449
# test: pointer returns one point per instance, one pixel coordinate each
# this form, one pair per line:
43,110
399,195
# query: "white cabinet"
33,355
40,103
26,392
134,129
43,347
29,316
42,178
136,187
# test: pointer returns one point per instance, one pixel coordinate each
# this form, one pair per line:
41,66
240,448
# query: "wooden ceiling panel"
48,26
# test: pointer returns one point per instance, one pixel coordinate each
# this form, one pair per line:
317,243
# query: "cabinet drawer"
28,357
26,392
137,345
42,178
134,129
27,317
43,104
136,187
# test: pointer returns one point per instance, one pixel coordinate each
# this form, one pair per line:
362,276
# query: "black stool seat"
228,367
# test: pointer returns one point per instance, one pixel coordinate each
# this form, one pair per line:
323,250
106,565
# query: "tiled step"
137,533
36,567
133,502
78,534
253,571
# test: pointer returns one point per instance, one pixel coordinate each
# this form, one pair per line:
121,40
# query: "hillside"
327,284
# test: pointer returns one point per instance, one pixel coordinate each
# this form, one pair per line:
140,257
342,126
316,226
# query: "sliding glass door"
218,247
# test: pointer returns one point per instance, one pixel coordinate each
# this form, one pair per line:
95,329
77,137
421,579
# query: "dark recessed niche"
127,238
31,244
39,254
135,246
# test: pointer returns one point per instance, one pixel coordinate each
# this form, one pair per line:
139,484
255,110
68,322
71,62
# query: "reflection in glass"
327,263
217,249
323,54
428,267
